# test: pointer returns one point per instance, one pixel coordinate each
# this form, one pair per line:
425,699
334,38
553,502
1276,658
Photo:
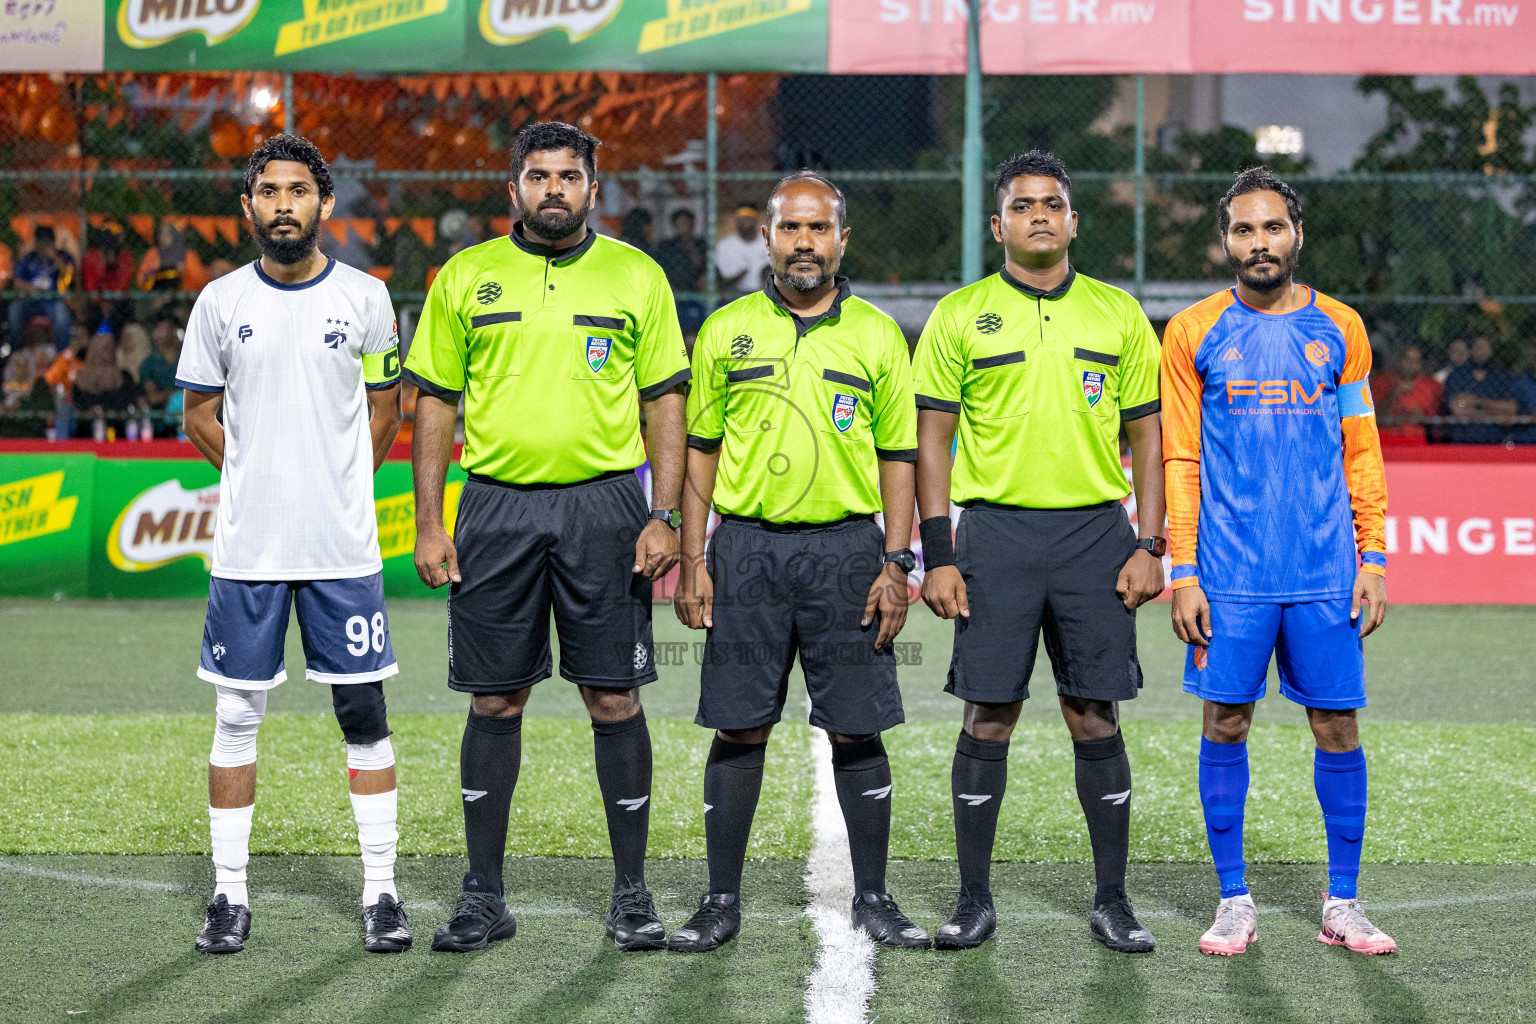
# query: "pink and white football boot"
1345,924
1237,921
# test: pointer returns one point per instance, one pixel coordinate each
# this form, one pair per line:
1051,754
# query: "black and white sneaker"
226,926
717,921
631,920
479,918
385,929
877,915
973,922
1114,923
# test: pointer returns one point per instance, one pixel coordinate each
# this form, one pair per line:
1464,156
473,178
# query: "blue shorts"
343,623
1317,648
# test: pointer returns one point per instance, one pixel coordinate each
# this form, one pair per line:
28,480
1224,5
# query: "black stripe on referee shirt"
654,391
1096,357
491,319
607,323
428,387
845,378
937,404
987,362
748,373
1136,412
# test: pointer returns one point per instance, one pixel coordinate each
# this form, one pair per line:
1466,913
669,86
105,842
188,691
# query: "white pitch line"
839,989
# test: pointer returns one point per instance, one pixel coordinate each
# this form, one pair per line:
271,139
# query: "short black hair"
44,233
1037,162
1256,179
815,177
290,147
682,212
543,136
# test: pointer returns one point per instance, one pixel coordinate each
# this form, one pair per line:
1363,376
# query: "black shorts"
1054,569
781,592
523,551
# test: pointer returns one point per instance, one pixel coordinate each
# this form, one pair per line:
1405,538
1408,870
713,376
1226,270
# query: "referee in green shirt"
801,425
554,338
1039,368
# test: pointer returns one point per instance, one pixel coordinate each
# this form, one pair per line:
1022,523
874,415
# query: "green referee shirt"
801,408
548,349
1041,382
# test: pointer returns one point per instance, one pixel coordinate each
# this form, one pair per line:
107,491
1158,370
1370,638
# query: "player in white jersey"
301,353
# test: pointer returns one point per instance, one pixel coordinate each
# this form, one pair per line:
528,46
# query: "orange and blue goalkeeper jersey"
1276,489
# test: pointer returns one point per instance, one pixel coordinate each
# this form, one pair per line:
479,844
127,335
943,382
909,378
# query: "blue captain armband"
1355,399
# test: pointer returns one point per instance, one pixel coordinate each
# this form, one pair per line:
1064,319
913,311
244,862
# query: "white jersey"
296,494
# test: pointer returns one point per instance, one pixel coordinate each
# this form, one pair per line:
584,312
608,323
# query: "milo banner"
467,35
79,526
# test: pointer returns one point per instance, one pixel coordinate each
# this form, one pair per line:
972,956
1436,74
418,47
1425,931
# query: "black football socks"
733,780
977,781
488,762
1104,789
623,754
863,776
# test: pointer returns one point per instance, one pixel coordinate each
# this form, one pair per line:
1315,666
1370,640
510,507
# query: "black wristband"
938,542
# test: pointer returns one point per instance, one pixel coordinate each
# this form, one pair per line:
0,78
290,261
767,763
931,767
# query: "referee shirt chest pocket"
604,349
845,404
1095,381
494,344
996,387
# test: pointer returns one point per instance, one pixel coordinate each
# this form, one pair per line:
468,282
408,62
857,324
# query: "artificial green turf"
110,939
1463,933
145,793
138,784
1446,664
1427,782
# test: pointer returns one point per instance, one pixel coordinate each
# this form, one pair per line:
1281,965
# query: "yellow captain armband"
381,369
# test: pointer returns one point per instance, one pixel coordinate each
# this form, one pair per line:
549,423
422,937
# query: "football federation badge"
597,352
1093,387
842,411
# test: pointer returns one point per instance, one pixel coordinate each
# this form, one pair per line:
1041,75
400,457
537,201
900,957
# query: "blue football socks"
1340,782
1223,792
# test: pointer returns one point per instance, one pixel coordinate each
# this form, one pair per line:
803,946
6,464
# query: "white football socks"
229,829
376,835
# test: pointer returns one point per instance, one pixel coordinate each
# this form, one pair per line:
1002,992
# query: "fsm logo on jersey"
163,524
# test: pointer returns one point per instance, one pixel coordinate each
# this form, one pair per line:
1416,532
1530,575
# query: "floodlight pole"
971,153
288,112
1141,186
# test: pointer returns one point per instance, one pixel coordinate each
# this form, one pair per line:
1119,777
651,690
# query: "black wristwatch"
673,517
903,558
1158,546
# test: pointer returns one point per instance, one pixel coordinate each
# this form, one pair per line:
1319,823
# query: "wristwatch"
903,558
673,517
1158,546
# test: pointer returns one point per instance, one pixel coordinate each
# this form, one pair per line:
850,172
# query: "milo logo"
144,23
843,407
163,524
505,22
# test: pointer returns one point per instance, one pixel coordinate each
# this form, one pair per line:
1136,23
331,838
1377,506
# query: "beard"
553,220
1267,272
289,250
798,276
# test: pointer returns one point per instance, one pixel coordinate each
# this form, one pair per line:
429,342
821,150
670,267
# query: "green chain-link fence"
138,177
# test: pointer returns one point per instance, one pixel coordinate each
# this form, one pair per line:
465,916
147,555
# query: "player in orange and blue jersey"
1276,512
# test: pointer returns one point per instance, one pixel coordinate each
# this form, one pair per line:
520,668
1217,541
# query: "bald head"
806,234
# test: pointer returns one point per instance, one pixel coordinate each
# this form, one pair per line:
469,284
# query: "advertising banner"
467,35
305,35
1187,36
51,35
45,524
1461,533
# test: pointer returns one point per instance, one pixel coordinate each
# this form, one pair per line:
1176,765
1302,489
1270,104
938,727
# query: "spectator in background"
107,266
103,389
133,348
157,374
1478,388
682,259
169,266
639,230
28,400
1524,387
1458,354
61,379
1406,391
217,268
741,259
42,277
